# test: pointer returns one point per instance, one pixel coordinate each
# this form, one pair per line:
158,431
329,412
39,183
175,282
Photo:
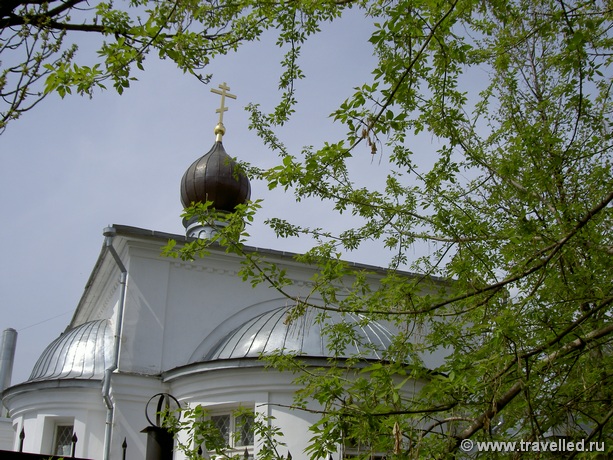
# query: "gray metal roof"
304,336
83,352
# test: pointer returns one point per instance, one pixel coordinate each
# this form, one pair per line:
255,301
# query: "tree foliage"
198,435
39,41
515,203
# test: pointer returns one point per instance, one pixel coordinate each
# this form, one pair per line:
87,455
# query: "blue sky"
71,167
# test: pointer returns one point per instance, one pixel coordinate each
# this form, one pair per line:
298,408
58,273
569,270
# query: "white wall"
7,434
173,306
38,407
130,394
250,385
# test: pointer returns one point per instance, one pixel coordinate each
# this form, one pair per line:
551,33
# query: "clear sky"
71,167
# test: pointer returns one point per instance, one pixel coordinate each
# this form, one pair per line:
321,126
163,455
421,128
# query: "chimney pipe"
7,359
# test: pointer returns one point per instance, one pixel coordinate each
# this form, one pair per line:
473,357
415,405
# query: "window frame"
55,445
235,445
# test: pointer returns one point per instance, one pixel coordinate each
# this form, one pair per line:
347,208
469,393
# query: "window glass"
244,430
222,422
63,440
236,429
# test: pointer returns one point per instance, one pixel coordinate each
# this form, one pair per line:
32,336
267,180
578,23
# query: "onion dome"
270,332
83,352
215,177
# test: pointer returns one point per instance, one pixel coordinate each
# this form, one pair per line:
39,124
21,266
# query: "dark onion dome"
215,177
83,352
270,332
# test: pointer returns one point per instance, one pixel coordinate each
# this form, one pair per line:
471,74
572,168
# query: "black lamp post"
160,440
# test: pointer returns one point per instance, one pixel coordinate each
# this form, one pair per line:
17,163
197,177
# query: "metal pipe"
7,357
7,360
109,233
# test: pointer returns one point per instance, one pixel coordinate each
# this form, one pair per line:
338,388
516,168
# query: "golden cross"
223,93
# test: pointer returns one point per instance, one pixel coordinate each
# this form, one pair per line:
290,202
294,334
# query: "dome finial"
220,130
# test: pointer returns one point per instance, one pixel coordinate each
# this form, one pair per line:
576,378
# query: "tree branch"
516,388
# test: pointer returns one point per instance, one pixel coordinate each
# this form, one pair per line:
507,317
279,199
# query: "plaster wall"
38,408
6,434
268,392
173,306
130,394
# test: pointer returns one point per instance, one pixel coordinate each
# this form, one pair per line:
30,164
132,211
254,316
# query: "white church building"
149,324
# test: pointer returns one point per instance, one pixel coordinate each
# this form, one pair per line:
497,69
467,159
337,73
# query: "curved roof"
270,332
215,177
83,352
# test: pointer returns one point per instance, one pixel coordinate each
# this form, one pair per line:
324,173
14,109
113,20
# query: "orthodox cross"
223,93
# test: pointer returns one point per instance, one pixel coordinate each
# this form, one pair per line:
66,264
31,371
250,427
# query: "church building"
148,324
